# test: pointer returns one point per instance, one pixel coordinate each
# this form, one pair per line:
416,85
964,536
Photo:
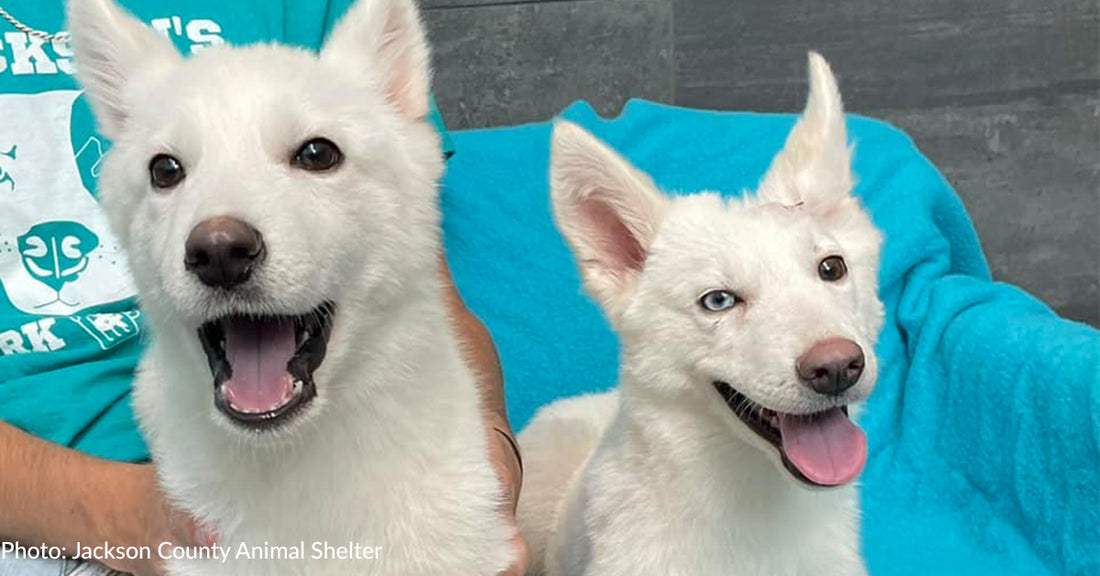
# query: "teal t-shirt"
70,330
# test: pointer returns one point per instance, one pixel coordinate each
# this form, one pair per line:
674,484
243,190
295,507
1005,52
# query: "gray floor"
1003,95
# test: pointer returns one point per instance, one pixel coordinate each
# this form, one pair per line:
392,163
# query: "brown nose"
222,251
831,366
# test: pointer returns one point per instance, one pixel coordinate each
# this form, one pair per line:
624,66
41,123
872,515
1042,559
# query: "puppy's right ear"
113,51
607,210
385,39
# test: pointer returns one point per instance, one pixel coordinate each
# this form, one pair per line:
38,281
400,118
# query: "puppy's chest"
405,502
328,522
689,545
699,531
336,491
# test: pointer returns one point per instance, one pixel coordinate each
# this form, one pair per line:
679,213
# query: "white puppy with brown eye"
302,388
747,330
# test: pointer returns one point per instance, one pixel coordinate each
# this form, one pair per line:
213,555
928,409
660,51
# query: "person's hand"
138,514
505,461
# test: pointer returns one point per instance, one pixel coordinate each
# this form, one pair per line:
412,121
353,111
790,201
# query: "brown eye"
165,171
318,155
832,269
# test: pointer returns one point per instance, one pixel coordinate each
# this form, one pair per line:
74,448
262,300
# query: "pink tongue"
258,352
827,448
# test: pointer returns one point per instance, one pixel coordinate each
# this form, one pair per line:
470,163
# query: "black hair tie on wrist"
515,448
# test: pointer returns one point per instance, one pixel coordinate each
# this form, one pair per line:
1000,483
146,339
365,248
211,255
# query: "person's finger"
523,557
188,532
208,537
201,535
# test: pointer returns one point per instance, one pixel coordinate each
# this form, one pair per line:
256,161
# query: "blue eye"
718,300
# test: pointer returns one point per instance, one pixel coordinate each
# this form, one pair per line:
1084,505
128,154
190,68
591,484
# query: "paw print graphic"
56,253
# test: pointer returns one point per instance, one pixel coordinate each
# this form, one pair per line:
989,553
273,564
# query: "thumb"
523,557
187,531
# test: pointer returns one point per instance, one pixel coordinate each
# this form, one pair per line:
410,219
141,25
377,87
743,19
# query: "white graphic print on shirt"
56,254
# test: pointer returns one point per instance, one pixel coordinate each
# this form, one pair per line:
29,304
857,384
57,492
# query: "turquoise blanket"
984,426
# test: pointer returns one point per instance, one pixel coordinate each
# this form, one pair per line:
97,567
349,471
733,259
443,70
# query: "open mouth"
822,449
263,365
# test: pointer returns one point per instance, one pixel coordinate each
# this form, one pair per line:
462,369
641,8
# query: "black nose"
831,366
222,251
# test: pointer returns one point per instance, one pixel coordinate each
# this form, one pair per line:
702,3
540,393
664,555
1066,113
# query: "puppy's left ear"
385,39
113,51
814,169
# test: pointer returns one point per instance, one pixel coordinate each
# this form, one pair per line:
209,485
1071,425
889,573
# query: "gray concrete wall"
1001,94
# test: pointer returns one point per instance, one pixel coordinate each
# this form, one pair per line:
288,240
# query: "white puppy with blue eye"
747,329
279,210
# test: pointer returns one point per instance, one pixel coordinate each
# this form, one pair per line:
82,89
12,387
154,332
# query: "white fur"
660,477
392,452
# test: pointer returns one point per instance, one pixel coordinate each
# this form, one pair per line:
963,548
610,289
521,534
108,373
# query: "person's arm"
56,496
481,355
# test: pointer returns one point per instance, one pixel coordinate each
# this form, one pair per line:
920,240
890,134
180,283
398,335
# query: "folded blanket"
984,427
